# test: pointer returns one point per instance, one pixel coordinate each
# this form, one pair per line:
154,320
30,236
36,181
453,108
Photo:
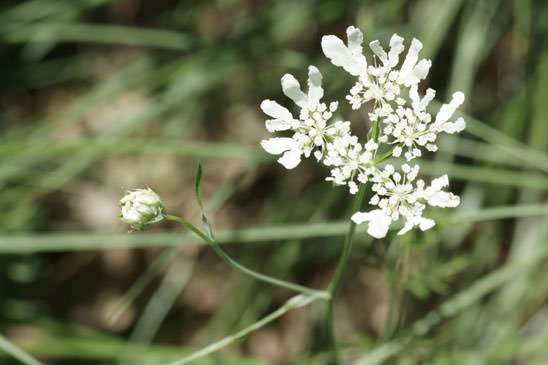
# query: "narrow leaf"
205,221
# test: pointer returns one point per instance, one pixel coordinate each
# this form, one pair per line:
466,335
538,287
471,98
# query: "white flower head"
141,208
403,126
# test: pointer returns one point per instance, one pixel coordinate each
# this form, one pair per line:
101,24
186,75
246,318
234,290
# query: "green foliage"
434,277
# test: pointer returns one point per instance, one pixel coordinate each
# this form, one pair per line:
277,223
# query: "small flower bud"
142,208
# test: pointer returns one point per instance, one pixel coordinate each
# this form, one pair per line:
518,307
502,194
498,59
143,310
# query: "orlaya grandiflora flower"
403,125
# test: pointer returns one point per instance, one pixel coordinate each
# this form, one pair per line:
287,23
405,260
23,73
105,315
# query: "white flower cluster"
400,125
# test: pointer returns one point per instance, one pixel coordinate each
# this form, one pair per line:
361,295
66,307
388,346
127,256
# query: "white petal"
426,223
131,217
447,110
282,116
355,40
440,182
378,224
371,145
414,96
275,110
406,228
412,72
420,71
423,223
360,217
379,51
292,89
274,125
277,145
340,55
410,59
291,158
315,91
453,127
430,94
443,199
396,48
418,103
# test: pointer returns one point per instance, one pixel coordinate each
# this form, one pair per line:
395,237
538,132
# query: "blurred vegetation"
98,96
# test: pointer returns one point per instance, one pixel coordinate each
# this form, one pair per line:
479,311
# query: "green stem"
268,279
383,157
295,302
341,267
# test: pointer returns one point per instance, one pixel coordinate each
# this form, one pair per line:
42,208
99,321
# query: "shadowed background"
99,96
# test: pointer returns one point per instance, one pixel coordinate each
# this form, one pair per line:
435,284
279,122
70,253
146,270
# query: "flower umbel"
142,208
403,127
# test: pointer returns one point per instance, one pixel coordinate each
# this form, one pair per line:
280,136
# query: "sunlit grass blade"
33,10
489,175
503,212
162,300
96,33
511,145
95,241
87,345
112,146
434,19
478,34
484,152
91,241
16,352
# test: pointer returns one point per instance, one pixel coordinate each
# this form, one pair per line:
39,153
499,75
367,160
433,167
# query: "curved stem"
341,267
268,279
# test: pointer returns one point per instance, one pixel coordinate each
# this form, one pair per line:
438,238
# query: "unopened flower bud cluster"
399,115
142,208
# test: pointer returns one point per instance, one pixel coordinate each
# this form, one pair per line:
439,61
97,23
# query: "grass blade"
16,352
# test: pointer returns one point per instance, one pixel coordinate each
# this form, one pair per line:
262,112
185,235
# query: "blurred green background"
99,96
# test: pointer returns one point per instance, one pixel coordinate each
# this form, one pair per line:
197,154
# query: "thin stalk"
383,157
295,302
268,279
341,267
